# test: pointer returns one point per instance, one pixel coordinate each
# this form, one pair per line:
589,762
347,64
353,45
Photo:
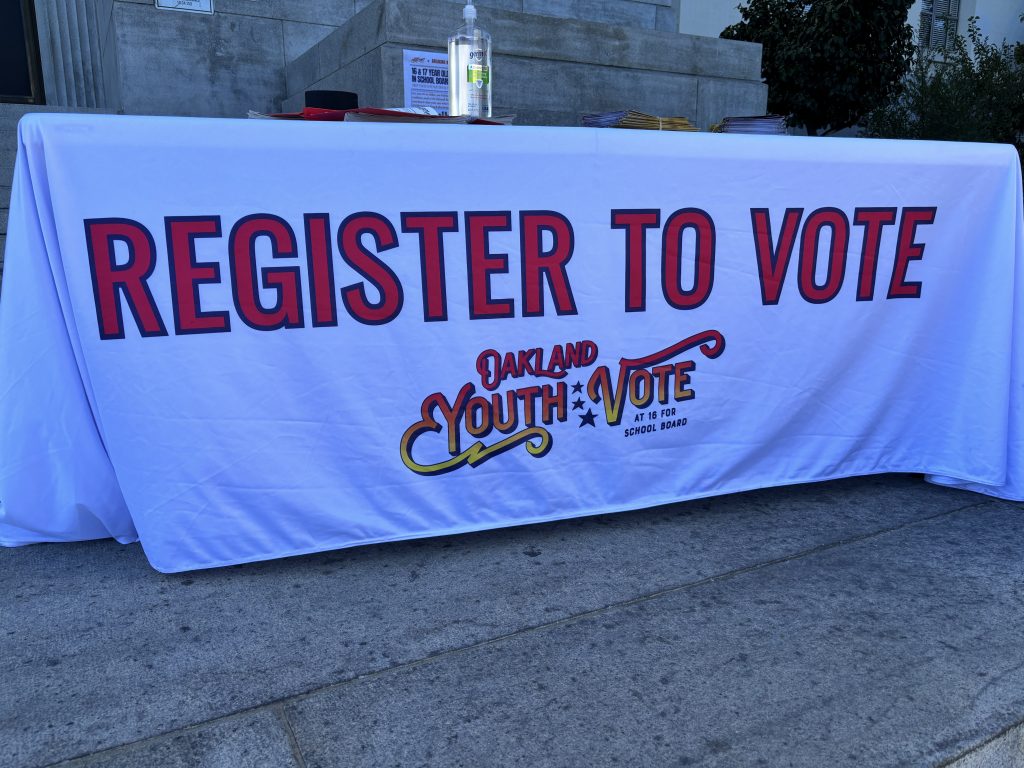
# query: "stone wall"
129,56
155,61
635,14
707,17
547,71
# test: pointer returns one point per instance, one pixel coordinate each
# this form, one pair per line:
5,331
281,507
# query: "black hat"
332,99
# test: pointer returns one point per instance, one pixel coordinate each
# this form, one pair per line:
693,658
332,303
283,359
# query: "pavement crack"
953,762
293,742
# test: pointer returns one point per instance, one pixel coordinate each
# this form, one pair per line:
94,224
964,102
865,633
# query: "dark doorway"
21,79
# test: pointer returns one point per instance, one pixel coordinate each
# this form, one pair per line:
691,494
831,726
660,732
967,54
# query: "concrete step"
8,140
10,114
6,167
5,197
15,111
8,149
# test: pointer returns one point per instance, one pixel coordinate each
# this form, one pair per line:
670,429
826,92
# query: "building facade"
171,57
148,56
999,20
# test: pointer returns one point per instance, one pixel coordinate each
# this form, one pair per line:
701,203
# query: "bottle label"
478,75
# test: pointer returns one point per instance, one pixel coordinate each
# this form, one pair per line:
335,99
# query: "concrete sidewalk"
866,622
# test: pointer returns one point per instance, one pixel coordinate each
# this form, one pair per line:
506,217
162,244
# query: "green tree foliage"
975,92
828,62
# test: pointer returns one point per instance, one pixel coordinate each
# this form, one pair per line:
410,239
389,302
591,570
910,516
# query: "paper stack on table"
378,115
763,125
418,115
632,119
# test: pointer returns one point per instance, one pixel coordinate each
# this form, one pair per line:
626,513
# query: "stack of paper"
632,119
400,115
418,115
377,115
764,125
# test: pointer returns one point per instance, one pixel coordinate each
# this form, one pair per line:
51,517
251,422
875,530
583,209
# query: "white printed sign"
425,75
192,6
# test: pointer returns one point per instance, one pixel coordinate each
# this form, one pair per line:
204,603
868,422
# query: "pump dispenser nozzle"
469,12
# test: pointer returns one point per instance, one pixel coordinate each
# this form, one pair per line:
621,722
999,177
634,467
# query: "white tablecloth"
235,340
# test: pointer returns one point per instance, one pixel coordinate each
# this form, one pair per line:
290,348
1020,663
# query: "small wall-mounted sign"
191,6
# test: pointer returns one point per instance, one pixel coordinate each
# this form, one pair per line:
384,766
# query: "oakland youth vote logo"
657,385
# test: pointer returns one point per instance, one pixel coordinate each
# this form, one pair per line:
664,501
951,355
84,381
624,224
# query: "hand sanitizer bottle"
469,68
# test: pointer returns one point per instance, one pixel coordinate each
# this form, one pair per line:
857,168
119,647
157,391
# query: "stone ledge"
548,71
428,23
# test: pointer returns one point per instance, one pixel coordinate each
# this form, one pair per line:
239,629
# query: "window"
939,20
20,78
